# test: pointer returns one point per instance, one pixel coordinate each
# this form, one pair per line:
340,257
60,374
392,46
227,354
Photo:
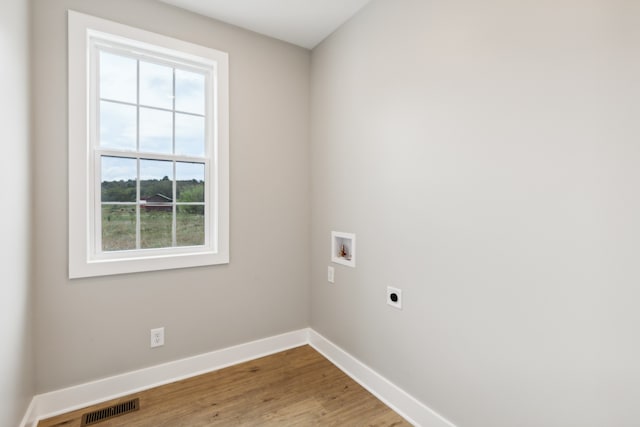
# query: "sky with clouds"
120,124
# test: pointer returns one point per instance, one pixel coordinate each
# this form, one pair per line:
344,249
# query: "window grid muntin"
99,154
210,206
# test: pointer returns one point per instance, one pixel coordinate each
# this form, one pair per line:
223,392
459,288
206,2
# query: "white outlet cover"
391,291
157,337
331,274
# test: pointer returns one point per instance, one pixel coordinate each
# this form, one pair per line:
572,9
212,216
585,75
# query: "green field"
119,227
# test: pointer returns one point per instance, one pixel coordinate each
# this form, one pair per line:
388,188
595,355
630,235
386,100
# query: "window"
148,151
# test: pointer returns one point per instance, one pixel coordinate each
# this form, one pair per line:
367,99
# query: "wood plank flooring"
297,387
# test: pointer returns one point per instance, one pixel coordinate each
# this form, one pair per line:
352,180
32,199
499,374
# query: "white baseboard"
60,401
397,399
30,416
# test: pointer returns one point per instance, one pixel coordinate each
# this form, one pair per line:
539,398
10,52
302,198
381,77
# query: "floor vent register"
91,418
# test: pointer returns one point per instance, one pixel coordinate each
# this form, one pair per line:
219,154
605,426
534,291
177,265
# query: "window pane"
190,225
155,226
190,182
118,179
189,135
156,85
156,181
117,126
118,76
118,227
156,131
189,92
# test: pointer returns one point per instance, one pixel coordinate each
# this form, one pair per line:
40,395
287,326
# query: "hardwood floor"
297,387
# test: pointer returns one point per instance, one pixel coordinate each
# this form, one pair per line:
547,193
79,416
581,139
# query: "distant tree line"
125,191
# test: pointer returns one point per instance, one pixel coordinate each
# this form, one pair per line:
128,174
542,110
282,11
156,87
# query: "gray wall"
92,328
487,156
16,352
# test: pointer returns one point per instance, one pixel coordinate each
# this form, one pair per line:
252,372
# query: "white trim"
30,415
393,396
61,401
84,261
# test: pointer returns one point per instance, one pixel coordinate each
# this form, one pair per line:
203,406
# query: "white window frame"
85,257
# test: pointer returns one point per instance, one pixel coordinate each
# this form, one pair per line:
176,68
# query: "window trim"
82,260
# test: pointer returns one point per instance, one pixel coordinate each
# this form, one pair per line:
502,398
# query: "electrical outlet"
157,337
331,274
394,297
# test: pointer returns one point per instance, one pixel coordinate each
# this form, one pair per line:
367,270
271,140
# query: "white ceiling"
302,22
